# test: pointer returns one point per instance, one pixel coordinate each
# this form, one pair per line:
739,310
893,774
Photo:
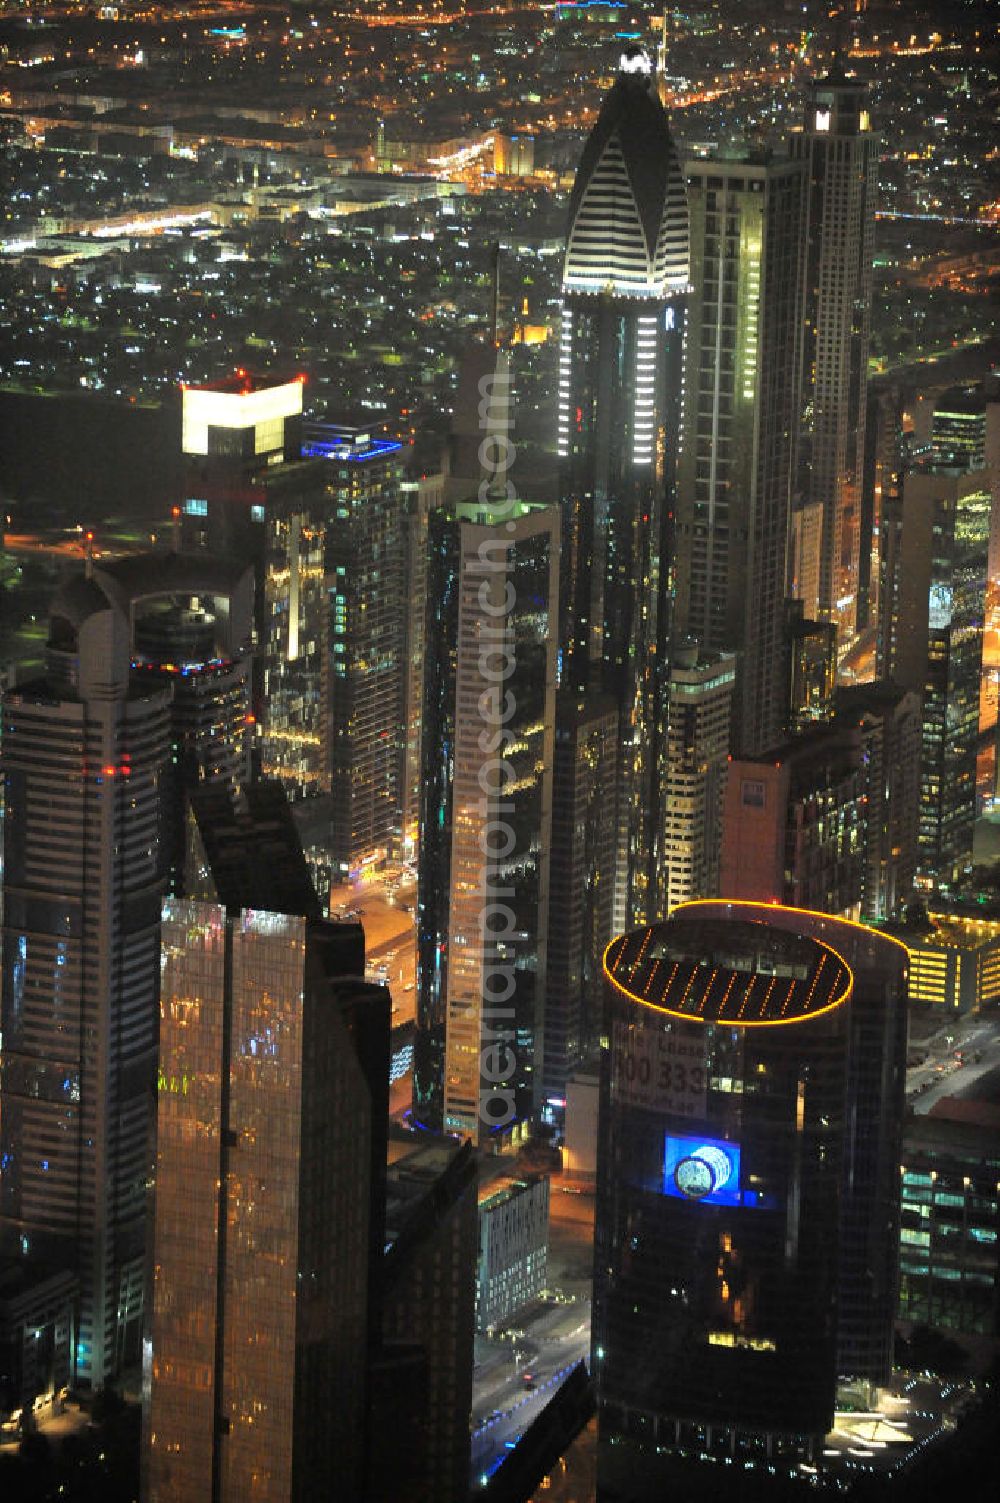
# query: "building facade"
420,496
943,565
954,962
485,833
428,1299
869,1201
86,770
747,1219
698,732
888,729
581,881
364,674
267,1191
740,422
624,278
949,1268
513,1248
719,1167
838,147
191,620
794,824
320,516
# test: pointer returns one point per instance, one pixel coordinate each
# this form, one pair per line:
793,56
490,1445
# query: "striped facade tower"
624,280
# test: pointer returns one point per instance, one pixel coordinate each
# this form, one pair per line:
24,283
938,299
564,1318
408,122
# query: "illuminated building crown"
628,229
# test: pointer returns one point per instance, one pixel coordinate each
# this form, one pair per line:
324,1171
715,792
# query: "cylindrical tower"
724,1087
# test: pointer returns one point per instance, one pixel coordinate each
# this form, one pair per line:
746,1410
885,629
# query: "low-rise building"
949,1272
36,1334
954,963
513,1247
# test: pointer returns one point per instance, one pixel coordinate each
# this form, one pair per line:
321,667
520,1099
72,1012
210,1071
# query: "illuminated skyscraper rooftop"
627,215
742,975
748,1186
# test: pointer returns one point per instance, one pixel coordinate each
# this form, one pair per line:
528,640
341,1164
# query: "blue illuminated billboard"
702,1169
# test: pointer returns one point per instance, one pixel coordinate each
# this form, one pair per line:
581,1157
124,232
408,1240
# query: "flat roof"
243,383
952,931
739,973
499,1191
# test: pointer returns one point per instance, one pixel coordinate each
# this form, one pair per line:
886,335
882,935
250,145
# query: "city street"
390,941
942,1073
546,1340
551,1341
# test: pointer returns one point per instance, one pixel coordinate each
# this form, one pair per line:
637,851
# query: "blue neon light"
705,1170
318,449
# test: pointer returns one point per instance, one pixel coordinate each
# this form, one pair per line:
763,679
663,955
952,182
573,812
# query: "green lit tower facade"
742,395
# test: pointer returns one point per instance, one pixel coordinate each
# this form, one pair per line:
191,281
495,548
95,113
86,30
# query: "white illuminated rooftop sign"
204,409
636,62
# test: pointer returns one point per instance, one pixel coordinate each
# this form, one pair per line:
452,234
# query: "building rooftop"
948,931
742,974
426,1176
244,383
252,849
495,1193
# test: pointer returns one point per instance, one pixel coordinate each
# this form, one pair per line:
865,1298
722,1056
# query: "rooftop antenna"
661,59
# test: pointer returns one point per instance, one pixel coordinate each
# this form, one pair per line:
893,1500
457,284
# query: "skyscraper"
838,148
879,514
86,765
191,618
624,279
250,497
581,880
889,725
719,1170
420,496
268,1194
742,400
701,693
869,1201
364,675
320,516
941,593
428,1297
482,910
748,1184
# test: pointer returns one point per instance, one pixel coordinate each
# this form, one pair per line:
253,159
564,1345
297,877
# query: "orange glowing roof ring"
783,1022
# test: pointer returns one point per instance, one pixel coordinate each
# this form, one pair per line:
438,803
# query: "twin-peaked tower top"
627,214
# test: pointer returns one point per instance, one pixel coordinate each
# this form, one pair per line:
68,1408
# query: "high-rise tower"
748,1187
742,398
624,279
941,605
839,148
701,692
190,621
486,814
270,1163
86,758
319,515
